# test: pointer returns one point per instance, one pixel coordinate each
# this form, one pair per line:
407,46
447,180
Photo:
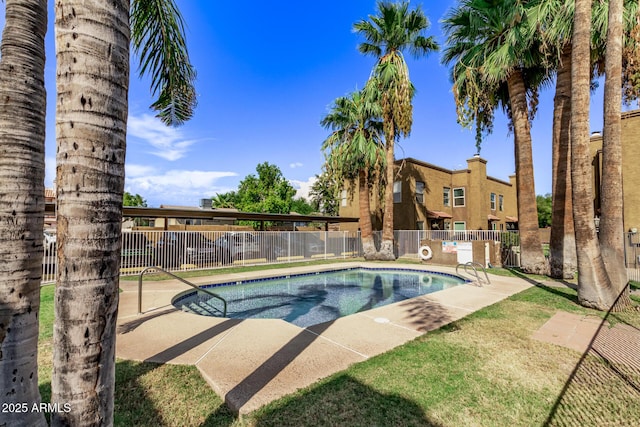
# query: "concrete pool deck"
251,362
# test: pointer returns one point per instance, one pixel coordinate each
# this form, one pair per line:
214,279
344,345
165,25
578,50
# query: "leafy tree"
394,30
133,200
543,204
301,206
355,152
92,53
324,193
22,135
268,192
496,60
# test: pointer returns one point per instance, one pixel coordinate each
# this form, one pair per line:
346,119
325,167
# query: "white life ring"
425,253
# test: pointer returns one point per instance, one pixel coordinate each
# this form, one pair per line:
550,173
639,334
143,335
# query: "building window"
493,201
446,196
343,198
397,192
501,202
458,197
419,192
459,226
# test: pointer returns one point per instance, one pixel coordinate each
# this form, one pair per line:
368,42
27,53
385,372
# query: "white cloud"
295,165
167,142
174,187
303,187
133,170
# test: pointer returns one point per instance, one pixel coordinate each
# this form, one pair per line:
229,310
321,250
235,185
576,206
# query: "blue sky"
267,74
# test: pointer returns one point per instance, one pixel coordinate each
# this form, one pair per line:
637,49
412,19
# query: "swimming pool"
312,298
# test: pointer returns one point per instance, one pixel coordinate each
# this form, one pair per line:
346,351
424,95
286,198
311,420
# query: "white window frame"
464,225
455,198
501,202
493,201
397,191
343,198
446,196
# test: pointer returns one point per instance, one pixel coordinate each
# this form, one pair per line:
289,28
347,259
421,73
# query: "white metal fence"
196,250
193,250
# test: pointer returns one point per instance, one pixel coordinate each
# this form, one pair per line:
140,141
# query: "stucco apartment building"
429,197
630,135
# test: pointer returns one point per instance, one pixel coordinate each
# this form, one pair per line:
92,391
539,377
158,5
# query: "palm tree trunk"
611,219
92,44
531,255
386,246
562,245
366,229
592,276
22,127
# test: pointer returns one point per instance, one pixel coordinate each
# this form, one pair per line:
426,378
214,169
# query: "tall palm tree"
611,236
354,151
557,19
394,30
591,270
557,39
22,124
494,40
93,75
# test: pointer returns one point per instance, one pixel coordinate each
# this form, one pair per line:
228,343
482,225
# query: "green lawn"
483,370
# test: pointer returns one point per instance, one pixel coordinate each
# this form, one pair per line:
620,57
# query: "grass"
239,269
483,370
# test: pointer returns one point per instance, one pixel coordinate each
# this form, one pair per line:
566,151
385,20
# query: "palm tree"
387,35
557,37
354,151
591,270
224,200
611,220
93,75
22,58
557,17
494,41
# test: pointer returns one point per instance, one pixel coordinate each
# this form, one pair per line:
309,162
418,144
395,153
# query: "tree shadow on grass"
342,401
604,387
556,291
135,407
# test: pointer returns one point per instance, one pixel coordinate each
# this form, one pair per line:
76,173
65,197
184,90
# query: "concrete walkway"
252,362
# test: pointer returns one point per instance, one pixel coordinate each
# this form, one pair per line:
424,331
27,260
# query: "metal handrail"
186,282
475,272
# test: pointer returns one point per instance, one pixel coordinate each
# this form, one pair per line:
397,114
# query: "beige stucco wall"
630,170
478,187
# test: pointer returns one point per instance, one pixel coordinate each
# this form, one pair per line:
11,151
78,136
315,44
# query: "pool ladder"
475,271
186,282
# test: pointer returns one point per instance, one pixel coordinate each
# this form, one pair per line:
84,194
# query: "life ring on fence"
425,253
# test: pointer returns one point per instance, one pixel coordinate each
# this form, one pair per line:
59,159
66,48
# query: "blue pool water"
309,299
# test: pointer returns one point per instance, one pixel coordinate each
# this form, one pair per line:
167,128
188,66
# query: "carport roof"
197,213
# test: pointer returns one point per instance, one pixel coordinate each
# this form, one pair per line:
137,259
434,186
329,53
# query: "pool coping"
252,362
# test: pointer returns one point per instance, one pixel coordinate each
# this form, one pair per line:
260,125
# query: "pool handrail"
475,272
186,282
